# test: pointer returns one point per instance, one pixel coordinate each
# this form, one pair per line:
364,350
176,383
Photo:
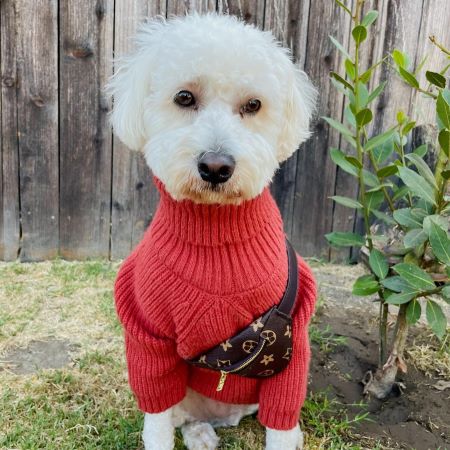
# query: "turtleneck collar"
215,224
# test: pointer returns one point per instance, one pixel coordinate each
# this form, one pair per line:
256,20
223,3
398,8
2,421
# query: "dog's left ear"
299,106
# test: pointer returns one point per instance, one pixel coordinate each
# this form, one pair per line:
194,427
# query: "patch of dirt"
51,354
418,419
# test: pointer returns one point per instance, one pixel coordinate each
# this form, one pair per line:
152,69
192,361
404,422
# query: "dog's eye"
185,99
251,107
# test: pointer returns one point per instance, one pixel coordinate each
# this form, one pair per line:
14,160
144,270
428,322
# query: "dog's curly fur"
224,63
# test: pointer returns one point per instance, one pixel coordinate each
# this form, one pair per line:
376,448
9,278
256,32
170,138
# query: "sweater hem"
160,404
278,420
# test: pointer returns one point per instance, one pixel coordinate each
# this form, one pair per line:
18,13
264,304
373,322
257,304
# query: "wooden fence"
69,188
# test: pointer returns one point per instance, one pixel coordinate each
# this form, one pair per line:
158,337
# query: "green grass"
88,405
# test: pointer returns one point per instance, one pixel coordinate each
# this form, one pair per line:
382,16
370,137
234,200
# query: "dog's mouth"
201,191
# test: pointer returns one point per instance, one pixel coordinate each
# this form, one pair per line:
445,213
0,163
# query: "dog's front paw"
158,431
285,440
199,436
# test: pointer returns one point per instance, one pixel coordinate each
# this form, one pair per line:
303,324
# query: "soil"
417,419
51,354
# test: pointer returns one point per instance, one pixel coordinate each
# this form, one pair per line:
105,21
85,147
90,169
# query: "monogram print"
270,336
267,359
249,345
226,345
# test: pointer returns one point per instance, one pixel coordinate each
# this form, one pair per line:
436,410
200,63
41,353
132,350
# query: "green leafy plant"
409,256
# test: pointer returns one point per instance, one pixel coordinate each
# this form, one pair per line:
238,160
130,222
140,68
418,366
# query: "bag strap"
290,294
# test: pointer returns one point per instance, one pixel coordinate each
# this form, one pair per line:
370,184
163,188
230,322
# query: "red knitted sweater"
200,275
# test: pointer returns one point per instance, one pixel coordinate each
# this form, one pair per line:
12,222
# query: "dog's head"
216,106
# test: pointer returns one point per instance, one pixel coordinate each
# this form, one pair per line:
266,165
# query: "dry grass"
87,404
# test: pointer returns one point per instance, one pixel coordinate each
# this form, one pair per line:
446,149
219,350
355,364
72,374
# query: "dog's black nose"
216,167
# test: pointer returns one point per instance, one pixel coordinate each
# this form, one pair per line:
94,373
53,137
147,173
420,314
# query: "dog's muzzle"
216,168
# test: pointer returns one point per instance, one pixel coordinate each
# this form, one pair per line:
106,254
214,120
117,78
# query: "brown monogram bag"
263,348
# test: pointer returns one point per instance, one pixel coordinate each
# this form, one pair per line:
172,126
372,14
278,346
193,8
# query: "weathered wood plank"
134,196
37,118
288,21
435,21
315,178
9,157
181,7
86,40
252,11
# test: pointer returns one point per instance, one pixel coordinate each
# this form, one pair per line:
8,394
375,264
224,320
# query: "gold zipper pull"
223,377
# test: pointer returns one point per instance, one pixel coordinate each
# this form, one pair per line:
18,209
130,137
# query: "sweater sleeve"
156,373
282,396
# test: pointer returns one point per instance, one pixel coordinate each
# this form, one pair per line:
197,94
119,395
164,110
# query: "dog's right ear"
131,85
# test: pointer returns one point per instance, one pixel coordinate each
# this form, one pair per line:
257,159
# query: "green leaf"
406,218
446,292
363,95
365,285
383,152
369,18
402,297
359,33
364,117
414,238
417,184
443,110
370,179
380,187
401,59
387,171
400,193
350,69
341,128
383,216
374,200
444,141
340,47
440,243
376,92
379,139
345,201
342,239
436,319
436,78
440,221
378,263
415,276
445,174
423,168
341,80
339,159
396,284
352,160
413,312
421,150
349,116
409,77
408,127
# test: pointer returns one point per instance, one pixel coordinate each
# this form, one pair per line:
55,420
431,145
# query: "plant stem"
384,310
401,333
440,46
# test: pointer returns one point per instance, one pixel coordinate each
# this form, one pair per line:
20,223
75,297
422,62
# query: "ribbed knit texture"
200,275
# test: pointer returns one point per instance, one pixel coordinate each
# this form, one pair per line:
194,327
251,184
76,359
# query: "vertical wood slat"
134,196
9,160
86,39
181,7
435,21
315,178
288,21
37,118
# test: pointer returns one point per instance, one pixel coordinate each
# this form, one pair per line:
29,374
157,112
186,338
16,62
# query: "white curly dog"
210,82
